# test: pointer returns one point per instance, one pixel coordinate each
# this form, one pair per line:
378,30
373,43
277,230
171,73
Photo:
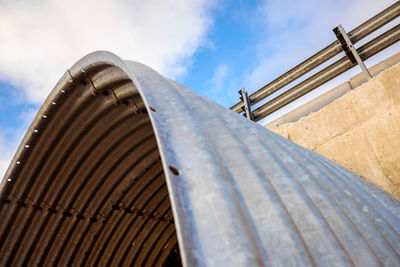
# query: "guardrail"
344,43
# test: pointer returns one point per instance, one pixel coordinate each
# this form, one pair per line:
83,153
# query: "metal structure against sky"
345,63
121,165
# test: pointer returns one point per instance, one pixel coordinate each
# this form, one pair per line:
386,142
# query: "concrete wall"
328,97
360,130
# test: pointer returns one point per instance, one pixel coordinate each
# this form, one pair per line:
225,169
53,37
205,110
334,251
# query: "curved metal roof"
121,165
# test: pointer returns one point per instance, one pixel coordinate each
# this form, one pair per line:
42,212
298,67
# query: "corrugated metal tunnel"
121,166
87,186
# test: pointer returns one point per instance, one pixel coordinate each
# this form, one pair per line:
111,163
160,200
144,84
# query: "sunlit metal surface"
121,164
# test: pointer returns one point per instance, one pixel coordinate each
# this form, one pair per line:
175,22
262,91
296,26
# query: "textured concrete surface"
333,94
360,130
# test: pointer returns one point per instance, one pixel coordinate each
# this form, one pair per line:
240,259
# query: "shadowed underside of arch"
120,165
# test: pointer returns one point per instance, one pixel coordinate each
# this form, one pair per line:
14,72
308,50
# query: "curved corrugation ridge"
372,221
65,140
230,137
91,189
118,238
386,230
146,193
352,182
68,227
132,232
43,148
375,195
29,218
75,143
32,136
294,247
344,228
81,212
364,201
114,133
215,184
215,114
31,185
359,222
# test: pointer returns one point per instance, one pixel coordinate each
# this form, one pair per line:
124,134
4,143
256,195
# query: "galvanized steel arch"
119,159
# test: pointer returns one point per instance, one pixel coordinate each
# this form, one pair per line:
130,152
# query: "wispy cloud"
290,31
40,39
218,81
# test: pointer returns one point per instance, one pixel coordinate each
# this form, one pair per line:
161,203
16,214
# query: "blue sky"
213,47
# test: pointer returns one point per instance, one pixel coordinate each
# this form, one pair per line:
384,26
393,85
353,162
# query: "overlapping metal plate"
121,165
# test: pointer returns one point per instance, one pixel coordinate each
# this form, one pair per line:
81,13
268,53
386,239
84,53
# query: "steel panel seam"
122,165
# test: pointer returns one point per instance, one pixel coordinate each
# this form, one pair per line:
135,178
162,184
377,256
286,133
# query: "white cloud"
295,30
39,40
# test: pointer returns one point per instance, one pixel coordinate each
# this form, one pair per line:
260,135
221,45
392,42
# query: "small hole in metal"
52,210
153,109
21,203
66,213
37,207
174,170
128,210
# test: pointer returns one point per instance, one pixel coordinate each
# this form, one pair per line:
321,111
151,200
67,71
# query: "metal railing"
345,63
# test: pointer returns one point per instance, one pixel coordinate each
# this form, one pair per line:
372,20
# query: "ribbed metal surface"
91,188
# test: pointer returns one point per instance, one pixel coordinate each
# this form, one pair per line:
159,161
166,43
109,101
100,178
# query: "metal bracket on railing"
350,50
246,100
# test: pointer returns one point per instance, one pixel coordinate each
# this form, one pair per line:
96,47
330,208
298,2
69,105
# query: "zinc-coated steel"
322,56
366,51
121,165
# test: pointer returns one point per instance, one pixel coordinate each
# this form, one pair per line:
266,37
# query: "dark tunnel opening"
87,186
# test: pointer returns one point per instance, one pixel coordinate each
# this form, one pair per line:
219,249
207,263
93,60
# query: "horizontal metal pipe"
325,54
366,51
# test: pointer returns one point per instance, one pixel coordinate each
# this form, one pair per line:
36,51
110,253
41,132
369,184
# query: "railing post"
246,100
350,50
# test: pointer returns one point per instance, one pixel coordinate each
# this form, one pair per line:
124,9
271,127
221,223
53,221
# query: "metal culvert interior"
122,165
87,185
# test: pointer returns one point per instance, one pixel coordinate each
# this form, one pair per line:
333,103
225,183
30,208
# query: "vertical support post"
246,100
349,49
